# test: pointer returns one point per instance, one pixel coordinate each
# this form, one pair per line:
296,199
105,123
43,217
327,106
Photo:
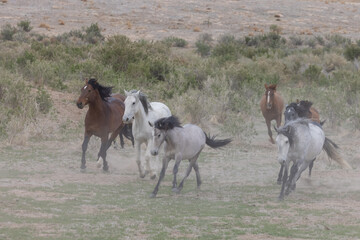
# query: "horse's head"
131,102
283,142
290,113
158,137
269,93
87,93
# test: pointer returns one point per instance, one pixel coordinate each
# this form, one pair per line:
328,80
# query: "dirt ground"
187,19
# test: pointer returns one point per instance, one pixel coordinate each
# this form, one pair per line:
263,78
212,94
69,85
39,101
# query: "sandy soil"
187,19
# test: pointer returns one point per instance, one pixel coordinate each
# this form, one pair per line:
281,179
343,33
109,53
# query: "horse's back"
159,110
193,140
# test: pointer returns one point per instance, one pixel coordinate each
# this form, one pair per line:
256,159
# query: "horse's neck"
97,107
140,118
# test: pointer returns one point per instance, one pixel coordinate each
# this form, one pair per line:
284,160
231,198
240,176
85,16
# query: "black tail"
331,150
127,131
211,142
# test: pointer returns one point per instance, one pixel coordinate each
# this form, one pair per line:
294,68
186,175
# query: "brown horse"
301,109
272,105
126,131
103,117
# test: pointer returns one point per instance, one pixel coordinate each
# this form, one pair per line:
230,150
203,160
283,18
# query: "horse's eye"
159,135
133,103
89,90
286,141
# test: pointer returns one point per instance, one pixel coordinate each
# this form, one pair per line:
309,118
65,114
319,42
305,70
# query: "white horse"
139,112
301,141
180,143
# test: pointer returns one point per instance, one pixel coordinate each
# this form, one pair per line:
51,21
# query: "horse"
126,130
272,105
301,109
300,141
180,143
139,112
103,117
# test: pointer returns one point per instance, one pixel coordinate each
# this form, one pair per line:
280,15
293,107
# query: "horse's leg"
278,120
198,179
162,174
192,161
138,157
121,137
102,153
293,171
84,148
311,165
280,174
178,159
268,124
284,180
302,168
149,168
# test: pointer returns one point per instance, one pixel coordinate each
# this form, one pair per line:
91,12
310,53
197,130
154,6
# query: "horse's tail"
127,131
211,142
331,150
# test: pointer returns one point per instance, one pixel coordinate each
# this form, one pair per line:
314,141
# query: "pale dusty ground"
188,19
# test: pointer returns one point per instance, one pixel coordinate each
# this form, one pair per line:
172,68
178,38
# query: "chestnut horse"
103,117
272,105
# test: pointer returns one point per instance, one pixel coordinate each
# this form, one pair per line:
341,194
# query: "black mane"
167,123
302,108
143,100
104,92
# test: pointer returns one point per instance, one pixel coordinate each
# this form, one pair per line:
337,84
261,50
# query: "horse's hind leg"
192,162
311,165
198,179
84,148
162,174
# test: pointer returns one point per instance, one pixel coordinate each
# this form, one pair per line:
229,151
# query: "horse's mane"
288,129
104,92
143,100
167,123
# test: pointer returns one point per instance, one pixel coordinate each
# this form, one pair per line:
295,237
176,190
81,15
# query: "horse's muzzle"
154,152
80,105
127,120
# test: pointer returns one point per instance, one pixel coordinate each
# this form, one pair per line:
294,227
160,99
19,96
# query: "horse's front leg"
138,158
84,148
291,184
149,168
280,174
178,158
284,180
268,124
165,163
102,153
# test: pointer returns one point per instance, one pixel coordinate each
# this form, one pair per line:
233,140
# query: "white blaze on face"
85,87
268,97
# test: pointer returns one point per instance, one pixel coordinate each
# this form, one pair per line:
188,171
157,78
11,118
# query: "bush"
25,25
352,52
175,42
7,32
44,101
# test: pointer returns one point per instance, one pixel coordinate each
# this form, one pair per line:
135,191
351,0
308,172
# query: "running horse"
301,109
272,105
103,117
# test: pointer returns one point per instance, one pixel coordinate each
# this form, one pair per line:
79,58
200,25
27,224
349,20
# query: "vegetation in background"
228,72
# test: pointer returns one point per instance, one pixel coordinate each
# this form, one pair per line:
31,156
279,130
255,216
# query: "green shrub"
7,32
175,42
44,101
203,48
25,25
352,52
312,73
93,34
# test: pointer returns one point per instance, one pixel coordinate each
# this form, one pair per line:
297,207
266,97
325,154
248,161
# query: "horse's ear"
126,93
297,101
266,86
138,93
274,86
86,80
151,125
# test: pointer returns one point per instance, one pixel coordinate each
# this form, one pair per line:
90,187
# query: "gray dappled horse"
180,143
300,141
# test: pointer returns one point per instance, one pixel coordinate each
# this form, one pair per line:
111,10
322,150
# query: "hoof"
176,190
153,176
152,195
142,175
98,165
280,198
83,169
